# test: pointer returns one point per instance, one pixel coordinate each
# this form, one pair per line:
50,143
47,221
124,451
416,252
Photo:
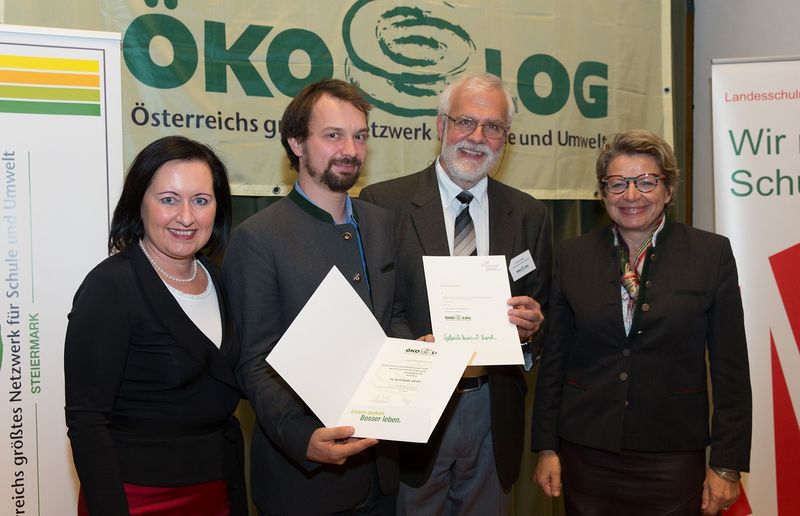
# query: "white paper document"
337,358
467,297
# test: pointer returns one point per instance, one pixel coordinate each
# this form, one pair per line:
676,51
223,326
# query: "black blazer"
276,260
517,222
149,399
647,391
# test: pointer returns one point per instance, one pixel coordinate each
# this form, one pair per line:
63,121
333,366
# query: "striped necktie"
464,234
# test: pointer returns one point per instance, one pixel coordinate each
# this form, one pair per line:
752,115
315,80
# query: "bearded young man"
473,456
274,263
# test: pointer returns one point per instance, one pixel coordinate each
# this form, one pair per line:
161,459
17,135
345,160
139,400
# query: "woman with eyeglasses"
621,414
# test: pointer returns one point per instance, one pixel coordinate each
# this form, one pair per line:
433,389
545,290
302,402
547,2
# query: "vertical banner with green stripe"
61,160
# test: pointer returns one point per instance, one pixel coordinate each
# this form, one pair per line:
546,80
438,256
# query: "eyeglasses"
467,125
644,183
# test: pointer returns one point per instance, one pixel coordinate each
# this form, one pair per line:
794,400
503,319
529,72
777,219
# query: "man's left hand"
718,493
526,314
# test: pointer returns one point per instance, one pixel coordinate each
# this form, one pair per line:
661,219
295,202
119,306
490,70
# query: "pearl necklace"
164,273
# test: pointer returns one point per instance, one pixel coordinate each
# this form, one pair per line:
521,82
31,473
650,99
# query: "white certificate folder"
337,358
467,297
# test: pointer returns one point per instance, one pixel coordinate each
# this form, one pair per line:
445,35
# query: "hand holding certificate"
467,297
352,374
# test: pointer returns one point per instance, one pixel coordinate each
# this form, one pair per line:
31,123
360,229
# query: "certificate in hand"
337,358
467,297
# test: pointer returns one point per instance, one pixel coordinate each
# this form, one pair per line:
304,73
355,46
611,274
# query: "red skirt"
206,499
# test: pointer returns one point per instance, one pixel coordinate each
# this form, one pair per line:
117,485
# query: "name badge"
521,265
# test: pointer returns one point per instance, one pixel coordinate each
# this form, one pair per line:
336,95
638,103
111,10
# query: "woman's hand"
718,493
548,473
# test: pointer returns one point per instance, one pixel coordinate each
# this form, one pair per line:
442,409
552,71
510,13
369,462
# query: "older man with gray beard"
454,208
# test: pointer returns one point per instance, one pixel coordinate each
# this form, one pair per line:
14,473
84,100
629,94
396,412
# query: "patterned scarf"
629,274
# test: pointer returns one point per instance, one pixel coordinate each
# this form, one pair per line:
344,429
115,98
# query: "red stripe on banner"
786,268
787,440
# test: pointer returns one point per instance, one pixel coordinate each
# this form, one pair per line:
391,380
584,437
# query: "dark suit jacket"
517,222
276,260
646,391
149,399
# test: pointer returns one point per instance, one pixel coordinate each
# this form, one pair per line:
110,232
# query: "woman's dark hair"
127,227
295,120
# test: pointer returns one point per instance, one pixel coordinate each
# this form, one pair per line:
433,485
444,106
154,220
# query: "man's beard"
334,182
452,161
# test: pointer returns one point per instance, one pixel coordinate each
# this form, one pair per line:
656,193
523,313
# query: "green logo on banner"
402,57
218,57
410,54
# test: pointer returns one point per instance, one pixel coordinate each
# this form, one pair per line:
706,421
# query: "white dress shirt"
478,209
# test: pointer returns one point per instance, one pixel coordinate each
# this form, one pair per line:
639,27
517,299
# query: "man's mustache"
346,162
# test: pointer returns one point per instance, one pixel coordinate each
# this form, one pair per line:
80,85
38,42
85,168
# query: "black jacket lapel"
501,231
169,313
428,217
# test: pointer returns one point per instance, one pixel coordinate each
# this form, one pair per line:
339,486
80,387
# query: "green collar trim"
309,207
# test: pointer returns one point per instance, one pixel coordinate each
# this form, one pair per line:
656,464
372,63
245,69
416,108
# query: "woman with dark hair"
621,414
150,349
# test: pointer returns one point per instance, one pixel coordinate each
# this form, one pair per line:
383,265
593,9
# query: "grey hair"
479,83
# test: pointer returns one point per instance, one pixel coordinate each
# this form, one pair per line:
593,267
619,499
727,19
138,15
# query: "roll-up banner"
756,115
61,159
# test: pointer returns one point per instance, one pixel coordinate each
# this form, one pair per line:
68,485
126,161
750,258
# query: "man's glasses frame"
467,125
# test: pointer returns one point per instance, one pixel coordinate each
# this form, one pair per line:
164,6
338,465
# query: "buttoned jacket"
647,390
276,260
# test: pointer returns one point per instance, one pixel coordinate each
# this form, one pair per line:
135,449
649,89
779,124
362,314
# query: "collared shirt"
349,218
627,306
478,209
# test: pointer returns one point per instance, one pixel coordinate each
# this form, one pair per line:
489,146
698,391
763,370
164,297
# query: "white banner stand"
61,159
756,114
